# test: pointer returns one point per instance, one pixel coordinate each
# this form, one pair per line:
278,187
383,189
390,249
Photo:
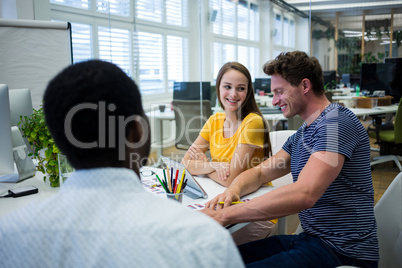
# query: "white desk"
375,111
9,204
212,188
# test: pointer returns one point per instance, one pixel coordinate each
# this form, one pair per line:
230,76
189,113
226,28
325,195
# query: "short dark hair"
294,67
84,104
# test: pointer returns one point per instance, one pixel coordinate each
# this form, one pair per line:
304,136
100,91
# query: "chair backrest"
388,213
398,123
189,121
278,138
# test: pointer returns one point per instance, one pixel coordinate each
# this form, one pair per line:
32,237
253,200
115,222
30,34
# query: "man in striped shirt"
329,158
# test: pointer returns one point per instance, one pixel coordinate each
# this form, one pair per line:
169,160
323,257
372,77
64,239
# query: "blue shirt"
344,216
105,218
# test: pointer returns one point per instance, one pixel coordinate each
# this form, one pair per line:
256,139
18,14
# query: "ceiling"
350,11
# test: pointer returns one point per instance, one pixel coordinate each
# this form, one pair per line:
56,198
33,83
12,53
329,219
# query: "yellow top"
251,131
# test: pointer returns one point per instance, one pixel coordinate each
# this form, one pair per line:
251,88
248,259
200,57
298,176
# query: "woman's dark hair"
294,67
249,105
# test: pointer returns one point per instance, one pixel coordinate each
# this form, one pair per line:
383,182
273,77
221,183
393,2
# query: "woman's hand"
222,169
195,153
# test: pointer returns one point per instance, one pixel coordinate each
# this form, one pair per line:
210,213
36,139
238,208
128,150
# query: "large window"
284,31
145,46
235,25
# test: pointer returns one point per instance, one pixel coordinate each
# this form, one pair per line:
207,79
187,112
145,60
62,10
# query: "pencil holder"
176,197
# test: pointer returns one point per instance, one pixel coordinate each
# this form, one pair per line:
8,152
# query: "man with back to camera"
102,216
329,159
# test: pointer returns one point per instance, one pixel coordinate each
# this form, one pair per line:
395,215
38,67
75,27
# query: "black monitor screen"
373,76
262,84
394,72
191,90
330,79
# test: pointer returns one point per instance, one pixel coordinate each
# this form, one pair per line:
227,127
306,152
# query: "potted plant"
45,150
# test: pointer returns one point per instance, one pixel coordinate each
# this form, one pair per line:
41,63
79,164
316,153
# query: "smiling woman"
238,139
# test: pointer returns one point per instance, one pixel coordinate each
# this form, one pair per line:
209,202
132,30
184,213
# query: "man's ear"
306,84
135,132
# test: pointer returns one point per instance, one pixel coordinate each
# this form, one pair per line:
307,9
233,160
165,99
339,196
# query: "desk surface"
7,205
379,110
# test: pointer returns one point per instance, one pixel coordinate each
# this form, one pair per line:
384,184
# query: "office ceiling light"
343,5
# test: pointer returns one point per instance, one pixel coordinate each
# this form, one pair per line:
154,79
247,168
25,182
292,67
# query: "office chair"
388,214
189,121
288,224
390,141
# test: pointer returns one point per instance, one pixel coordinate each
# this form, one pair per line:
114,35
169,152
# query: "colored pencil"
236,202
163,185
175,181
181,182
169,181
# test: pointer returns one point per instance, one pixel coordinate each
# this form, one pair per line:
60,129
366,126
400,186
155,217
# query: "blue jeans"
301,250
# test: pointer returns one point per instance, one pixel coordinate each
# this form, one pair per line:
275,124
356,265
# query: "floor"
382,174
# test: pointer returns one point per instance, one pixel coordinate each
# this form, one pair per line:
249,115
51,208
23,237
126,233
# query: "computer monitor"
394,74
191,90
7,172
262,84
373,77
20,104
330,79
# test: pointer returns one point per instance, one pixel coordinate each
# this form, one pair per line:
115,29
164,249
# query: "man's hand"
226,197
213,214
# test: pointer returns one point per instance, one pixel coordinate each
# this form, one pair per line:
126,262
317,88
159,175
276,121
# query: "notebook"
193,188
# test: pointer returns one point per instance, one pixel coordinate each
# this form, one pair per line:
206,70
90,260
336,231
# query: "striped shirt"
344,216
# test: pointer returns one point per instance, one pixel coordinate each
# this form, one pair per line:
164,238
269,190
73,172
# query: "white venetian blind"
242,20
84,4
222,54
254,23
81,35
150,65
177,51
149,10
115,7
115,46
177,12
278,30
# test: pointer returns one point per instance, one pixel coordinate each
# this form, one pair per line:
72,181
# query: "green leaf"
53,162
48,152
33,135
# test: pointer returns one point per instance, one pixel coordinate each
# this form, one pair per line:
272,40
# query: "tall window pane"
242,20
115,7
115,47
286,32
84,4
254,28
150,55
176,12
278,30
81,35
149,10
177,48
